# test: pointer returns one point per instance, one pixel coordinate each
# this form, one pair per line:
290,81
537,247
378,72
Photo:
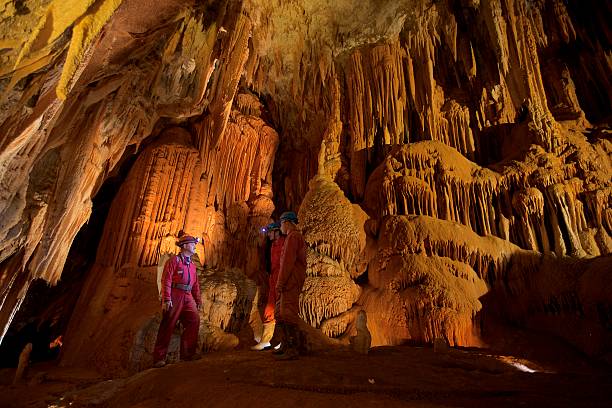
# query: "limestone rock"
466,138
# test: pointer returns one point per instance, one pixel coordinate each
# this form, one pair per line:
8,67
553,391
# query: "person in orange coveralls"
278,240
291,279
181,300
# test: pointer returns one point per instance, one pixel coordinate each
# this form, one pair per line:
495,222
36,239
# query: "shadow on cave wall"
46,310
550,309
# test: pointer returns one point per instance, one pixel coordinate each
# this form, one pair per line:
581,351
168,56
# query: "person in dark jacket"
291,277
181,300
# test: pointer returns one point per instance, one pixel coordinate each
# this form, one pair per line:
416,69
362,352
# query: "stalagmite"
24,362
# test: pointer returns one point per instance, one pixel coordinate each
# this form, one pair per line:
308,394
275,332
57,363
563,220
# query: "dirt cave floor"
388,376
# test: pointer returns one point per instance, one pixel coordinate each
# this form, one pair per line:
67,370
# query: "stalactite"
406,183
529,206
225,83
326,297
244,153
151,205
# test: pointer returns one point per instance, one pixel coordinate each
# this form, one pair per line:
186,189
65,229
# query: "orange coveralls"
180,284
275,255
291,277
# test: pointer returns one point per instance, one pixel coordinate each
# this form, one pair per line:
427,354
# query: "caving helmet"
270,227
289,216
187,239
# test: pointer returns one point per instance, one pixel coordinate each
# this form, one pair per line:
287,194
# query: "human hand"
199,307
167,305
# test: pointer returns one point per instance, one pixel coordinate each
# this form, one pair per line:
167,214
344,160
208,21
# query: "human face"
285,227
273,234
189,248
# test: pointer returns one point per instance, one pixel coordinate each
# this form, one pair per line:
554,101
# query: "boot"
302,342
281,333
290,352
268,331
159,364
277,336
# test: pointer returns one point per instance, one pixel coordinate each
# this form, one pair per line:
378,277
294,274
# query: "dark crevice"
46,310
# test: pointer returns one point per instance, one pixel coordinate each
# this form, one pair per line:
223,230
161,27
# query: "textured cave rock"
331,231
446,158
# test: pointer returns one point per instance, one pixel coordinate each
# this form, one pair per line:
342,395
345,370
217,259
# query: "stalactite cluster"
543,214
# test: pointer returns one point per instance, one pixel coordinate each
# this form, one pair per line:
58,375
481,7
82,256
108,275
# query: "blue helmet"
271,227
289,216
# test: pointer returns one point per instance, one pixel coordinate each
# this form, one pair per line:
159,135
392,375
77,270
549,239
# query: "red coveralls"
275,255
291,278
180,284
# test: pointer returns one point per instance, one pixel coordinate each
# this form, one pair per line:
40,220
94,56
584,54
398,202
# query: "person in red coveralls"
181,300
291,277
278,240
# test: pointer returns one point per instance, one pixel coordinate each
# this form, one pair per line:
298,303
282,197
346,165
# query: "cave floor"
388,376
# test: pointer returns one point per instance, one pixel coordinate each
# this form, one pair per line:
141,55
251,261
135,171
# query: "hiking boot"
281,328
280,349
289,354
194,357
261,346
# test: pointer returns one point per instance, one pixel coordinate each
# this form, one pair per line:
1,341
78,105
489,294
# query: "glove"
167,305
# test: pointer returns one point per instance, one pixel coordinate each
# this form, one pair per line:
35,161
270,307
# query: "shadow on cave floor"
388,376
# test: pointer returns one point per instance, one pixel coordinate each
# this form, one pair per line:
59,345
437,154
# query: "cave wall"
486,115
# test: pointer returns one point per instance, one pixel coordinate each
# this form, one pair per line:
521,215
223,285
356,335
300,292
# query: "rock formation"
449,160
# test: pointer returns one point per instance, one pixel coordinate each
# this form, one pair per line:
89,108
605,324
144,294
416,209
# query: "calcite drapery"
331,231
429,178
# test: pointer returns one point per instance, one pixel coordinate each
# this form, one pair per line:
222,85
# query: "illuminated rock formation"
430,148
164,193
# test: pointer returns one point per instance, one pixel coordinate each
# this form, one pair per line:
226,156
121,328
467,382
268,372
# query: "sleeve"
166,281
195,289
287,261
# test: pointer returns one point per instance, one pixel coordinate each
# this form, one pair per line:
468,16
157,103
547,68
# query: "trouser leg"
190,319
164,334
290,352
269,316
288,306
